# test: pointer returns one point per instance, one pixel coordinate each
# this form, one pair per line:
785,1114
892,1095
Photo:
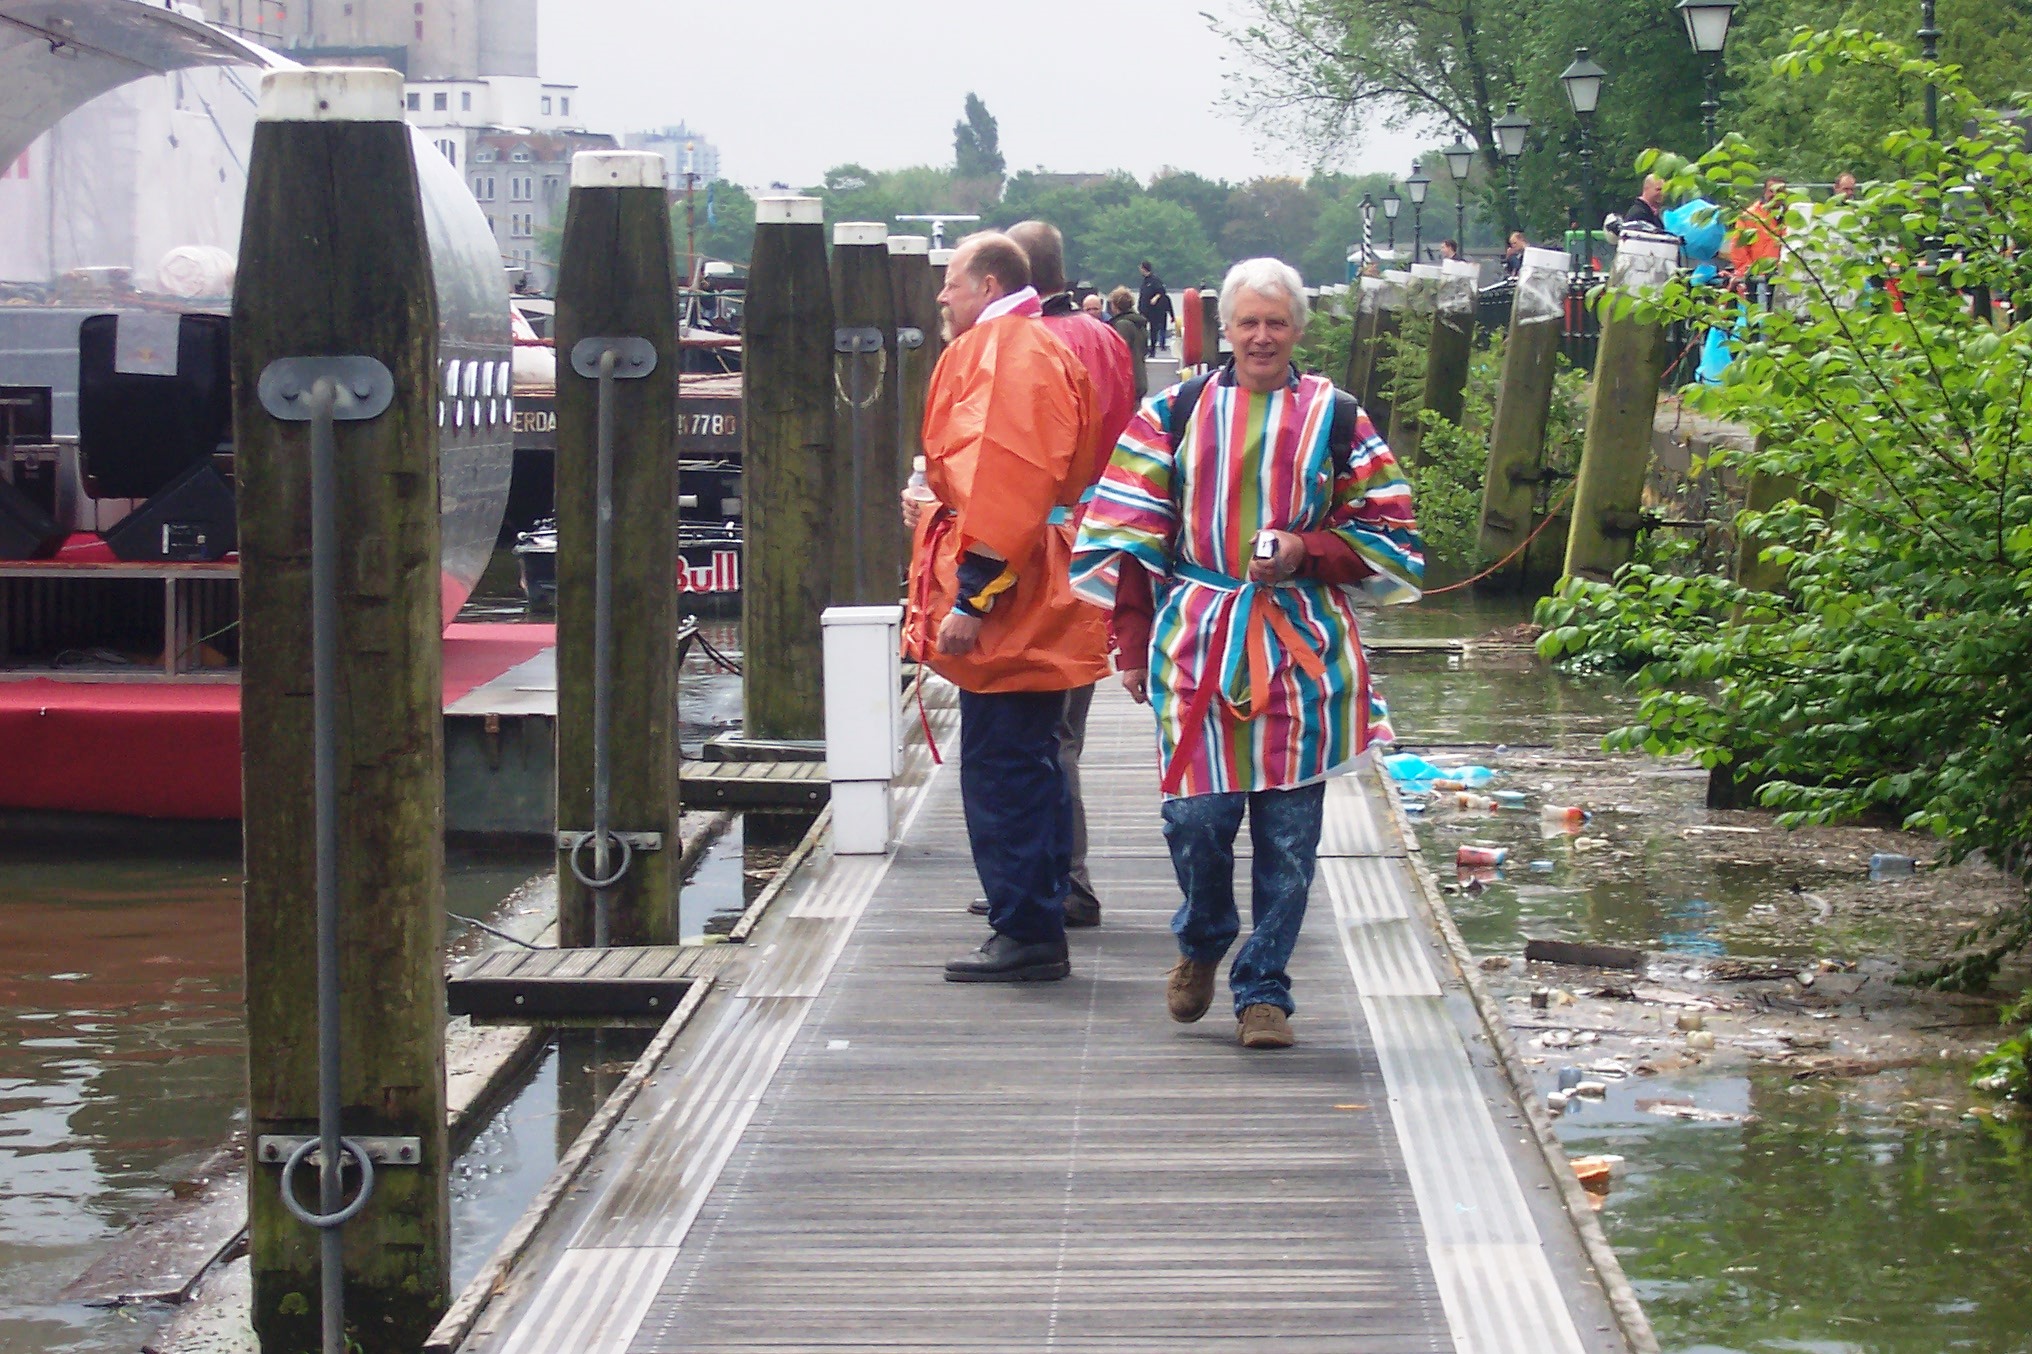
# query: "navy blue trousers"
1018,807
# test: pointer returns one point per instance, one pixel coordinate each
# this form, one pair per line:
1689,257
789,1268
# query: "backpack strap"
1182,406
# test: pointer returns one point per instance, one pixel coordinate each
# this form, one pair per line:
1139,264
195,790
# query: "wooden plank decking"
844,1152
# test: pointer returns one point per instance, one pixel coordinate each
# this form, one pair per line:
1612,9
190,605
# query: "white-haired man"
1258,499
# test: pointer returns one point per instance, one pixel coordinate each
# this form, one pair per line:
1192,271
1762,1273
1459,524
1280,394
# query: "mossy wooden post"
1523,402
1453,338
1191,342
334,262
868,543
616,280
1609,496
916,296
1374,391
787,469
1361,334
1421,298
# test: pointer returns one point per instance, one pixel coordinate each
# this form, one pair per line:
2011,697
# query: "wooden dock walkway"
841,1151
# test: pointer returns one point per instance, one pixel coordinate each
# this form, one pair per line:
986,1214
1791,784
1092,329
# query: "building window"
414,101
465,101
519,187
546,105
483,188
564,105
450,150
439,101
419,30
520,155
551,184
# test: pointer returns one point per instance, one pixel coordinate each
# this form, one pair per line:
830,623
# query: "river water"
1859,1217
1848,1220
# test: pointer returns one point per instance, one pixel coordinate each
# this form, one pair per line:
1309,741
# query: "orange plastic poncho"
1011,432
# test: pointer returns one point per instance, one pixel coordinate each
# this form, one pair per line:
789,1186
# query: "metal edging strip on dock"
1495,1280
704,1111
1461,1269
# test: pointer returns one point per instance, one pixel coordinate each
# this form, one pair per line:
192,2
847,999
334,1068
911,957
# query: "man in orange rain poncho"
1011,439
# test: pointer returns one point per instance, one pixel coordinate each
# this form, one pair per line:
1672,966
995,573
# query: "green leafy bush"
1886,670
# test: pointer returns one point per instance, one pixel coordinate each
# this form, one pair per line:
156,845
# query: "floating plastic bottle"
1886,865
1471,856
1508,799
1566,815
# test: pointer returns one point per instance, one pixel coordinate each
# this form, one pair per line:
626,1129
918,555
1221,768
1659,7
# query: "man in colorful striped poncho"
1231,560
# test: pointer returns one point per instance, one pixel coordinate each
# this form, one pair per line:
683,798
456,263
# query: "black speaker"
138,432
26,531
191,519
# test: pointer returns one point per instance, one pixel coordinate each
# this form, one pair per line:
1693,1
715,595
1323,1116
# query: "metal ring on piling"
578,873
347,1147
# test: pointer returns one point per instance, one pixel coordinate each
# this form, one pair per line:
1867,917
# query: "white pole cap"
941,257
860,232
1460,268
789,210
332,94
1547,260
1648,247
1426,271
909,244
617,169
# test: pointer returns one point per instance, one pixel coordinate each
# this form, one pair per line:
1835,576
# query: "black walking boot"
1002,960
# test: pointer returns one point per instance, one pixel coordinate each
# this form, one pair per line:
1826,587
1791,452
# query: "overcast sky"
789,88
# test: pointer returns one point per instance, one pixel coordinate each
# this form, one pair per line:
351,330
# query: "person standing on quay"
1106,359
1155,303
1135,332
1256,499
1011,438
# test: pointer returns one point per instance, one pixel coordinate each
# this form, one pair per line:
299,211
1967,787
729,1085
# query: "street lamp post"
1392,204
1707,28
1583,84
1511,130
1460,162
1929,47
1417,186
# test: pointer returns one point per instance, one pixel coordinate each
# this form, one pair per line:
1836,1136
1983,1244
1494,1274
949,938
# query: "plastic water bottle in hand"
918,488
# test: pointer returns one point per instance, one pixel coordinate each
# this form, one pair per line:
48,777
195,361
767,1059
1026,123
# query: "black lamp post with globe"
1583,82
1511,131
1460,162
1707,28
1418,185
1392,204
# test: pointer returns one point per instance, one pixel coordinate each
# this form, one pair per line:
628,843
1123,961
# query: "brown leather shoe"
1264,1026
1190,990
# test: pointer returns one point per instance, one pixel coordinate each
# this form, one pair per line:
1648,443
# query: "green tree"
1122,236
1206,198
725,232
1272,217
1071,206
977,142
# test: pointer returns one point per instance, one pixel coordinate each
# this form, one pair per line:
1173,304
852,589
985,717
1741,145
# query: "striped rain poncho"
1294,700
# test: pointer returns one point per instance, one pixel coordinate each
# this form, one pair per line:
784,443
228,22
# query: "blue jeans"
1284,829
1019,812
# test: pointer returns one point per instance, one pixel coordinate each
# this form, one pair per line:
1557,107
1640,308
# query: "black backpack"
1340,436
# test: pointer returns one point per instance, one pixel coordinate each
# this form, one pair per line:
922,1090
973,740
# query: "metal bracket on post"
853,341
275,1148
908,337
324,391
605,360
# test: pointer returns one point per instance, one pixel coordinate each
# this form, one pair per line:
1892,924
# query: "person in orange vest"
1759,237
1011,439
1105,355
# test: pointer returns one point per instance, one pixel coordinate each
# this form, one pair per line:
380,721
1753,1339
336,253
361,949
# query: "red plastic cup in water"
1470,856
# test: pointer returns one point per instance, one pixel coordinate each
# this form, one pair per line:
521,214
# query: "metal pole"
1929,47
1711,106
1393,237
324,704
603,640
1510,181
1460,221
1587,202
1368,231
1417,230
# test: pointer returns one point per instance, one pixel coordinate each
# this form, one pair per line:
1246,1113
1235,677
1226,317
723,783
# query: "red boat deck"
172,750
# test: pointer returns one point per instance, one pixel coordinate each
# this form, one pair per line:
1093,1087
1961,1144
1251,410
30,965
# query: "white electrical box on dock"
863,723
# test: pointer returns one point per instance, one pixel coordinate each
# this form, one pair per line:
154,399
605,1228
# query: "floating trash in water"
1540,867
1886,865
1470,856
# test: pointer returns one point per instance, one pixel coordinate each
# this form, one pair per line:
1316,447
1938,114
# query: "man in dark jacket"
1155,306
1135,332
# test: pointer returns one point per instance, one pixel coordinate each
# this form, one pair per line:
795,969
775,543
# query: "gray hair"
1265,277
